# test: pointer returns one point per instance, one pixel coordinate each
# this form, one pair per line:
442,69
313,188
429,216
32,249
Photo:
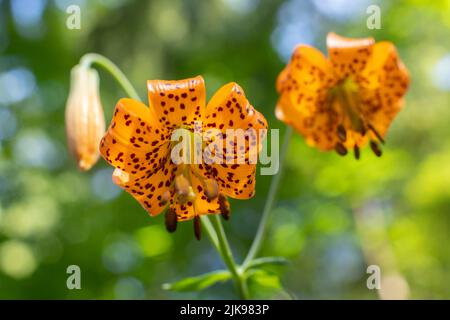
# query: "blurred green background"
335,216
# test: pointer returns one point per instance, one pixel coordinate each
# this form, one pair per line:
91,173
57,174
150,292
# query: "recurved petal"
151,191
383,84
348,55
177,103
237,127
312,114
308,70
230,109
135,142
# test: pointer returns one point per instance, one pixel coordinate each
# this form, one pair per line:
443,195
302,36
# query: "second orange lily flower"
344,101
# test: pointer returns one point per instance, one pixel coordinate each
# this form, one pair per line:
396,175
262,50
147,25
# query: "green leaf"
264,284
267,260
200,282
264,279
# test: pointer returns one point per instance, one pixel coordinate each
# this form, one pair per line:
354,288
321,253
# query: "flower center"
185,152
346,96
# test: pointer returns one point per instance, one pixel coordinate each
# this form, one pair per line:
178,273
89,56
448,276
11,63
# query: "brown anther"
340,149
356,152
377,134
224,207
342,133
362,129
171,220
197,228
165,198
211,189
375,148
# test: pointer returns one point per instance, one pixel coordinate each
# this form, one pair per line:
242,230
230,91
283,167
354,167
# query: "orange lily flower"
138,144
344,101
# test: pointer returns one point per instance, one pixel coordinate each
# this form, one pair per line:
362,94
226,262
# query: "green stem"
257,242
212,235
90,58
227,256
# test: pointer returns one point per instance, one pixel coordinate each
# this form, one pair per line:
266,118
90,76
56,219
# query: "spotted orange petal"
307,116
134,142
177,103
348,55
243,129
304,101
149,190
383,83
308,70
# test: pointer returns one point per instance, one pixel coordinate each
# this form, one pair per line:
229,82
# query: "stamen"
165,198
362,129
356,152
224,207
171,220
183,189
342,133
211,189
375,148
181,185
340,149
197,228
380,138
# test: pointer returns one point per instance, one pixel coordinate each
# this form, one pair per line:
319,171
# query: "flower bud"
85,120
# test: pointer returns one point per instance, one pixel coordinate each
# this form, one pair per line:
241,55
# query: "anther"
197,228
224,207
171,220
165,198
380,138
375,148
181,185
340,149
211,189
182,189
356,152
342,133
362,129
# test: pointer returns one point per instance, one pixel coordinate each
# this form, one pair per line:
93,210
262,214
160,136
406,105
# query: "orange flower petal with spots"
149,191
134,142
177,103
383,84
230,109
348,56
347,100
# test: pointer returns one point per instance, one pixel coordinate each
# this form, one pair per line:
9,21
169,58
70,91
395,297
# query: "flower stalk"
262,227
94,58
